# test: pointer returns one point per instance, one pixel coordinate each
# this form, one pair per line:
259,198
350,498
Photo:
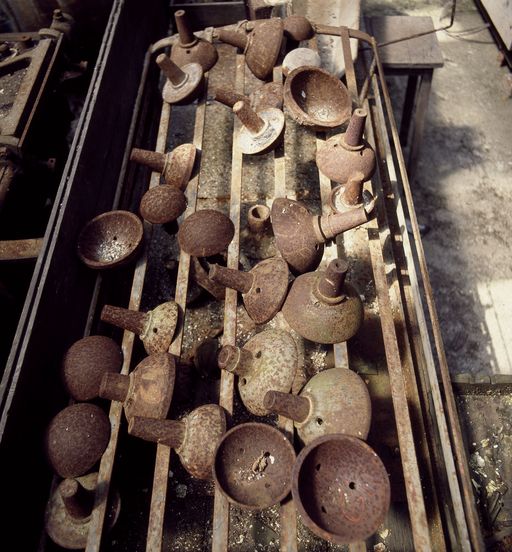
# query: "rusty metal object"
297,28
322,307
300,57
205,232
110,240
155,328
348,155
175,166
268,95
300,235
316,99
258,218
260,132
346,196
147,391
162,204
261,47
76,438
263,288
191,49
333,401
202,279
85,363
252,466
69,509
268,361
340,488
194,437
20,250
183,84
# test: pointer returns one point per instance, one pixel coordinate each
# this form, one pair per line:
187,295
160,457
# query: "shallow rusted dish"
252,466
340,488
316,99
206,232
110,240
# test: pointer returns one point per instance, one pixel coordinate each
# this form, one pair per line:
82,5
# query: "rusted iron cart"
415,428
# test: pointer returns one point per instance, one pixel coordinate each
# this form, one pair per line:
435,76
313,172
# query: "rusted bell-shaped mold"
300,57
191,49
76,439
110,240
155,328
86,362
322,307
69,509
300,235
297,28
183,84
252,466
162,204
316,99
340,488
205,233
348,155
269,95
147,391
333,401
195,437
268,361
260,132
175,166
263,288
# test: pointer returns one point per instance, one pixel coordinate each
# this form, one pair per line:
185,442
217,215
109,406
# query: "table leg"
407,111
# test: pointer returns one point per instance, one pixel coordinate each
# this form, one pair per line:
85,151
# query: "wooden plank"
20,250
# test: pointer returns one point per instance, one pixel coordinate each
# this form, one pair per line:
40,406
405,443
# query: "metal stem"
231,278
250,119
290,406
171,70
165,432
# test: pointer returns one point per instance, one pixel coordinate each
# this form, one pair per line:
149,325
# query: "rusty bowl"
340,488
316,99
76,439
162,204
253,464
110,240
85,363
205,233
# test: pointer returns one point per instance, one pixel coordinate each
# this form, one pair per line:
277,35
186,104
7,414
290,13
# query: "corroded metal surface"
162,204
85,363
314,98
270,95
201,278
261,131
252,466
258,218
76,438
297,27
347,155
205,233
183,84
341,488
337,401
268,361
191,49
69,511
298,58
263,288
318,317
147,391
111,240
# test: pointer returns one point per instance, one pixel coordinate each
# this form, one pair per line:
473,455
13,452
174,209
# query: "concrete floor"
461,189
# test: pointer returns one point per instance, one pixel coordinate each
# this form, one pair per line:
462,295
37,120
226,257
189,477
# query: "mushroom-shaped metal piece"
252,466
261,131
322,307
147,390
76,439
205,233
194,437
348,155
183,84
300,235
333,401
155,328
263,288
85,363
300,57
258,218
175,166
297,28
349,195
110,240
69,509
261,46
340,488
162,204
265,96
191,49
268,361
316,99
